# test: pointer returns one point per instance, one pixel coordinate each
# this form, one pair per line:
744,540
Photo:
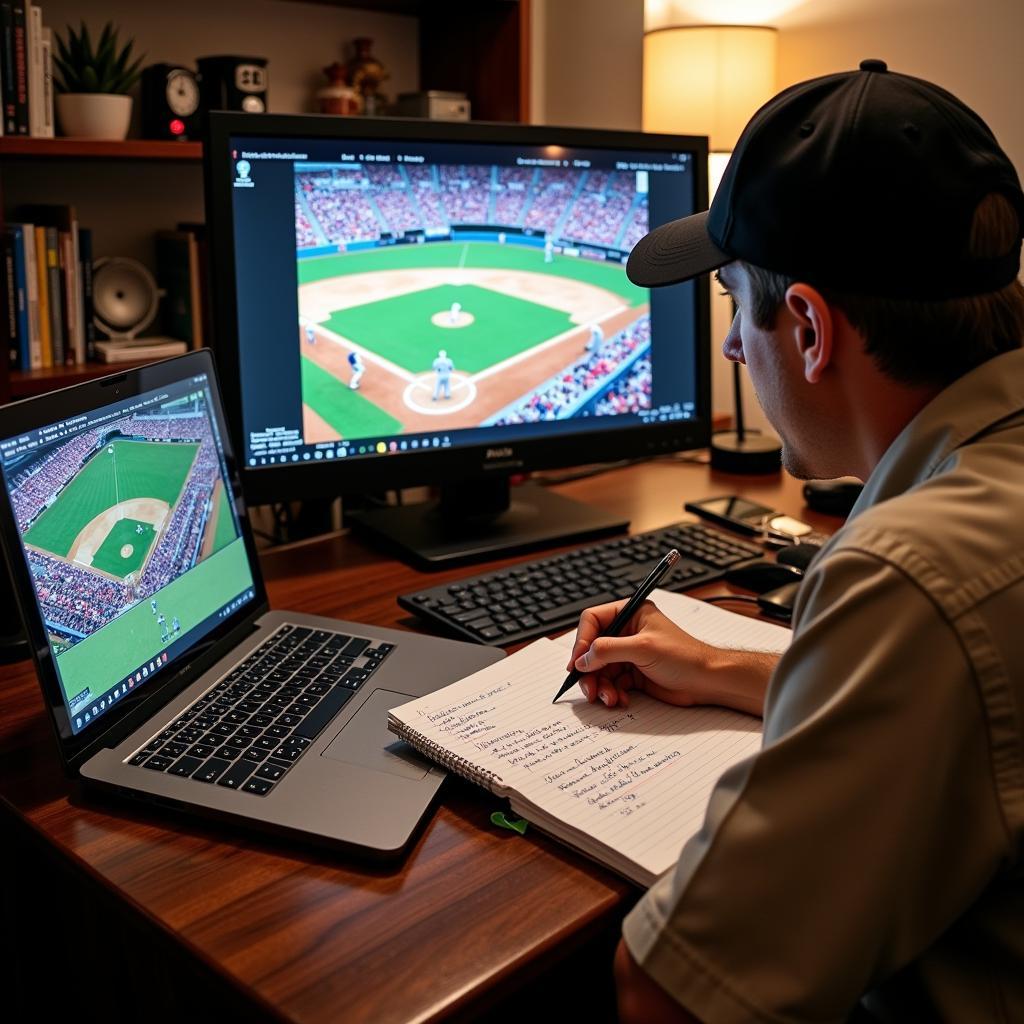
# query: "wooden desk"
470,918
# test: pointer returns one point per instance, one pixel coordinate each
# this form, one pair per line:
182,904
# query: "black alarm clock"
170,102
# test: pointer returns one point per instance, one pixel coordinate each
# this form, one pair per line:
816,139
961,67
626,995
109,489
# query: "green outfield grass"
346,410
121,646
225,532
400,328
611,276
108,558
145,469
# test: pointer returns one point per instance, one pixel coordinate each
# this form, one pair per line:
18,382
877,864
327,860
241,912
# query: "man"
866,863
453,313
310,334
442,367
596,339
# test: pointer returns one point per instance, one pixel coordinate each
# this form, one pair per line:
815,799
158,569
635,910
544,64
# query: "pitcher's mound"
127,550
445,319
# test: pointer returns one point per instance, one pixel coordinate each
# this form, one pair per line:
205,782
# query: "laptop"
165,674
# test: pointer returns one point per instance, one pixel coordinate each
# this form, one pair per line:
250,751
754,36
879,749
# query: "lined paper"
627,786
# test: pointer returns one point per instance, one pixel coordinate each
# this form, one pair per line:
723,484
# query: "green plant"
105,69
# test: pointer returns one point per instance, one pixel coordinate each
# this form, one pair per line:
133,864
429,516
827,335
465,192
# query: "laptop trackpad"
366,741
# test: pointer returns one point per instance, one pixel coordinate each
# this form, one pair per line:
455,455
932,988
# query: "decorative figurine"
338,96
365,73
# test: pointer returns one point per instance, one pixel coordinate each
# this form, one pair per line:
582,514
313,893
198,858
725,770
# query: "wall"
971,49
125,202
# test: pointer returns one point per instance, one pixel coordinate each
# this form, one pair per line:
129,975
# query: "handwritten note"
629,786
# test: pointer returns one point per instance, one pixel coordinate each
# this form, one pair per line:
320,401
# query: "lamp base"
755,453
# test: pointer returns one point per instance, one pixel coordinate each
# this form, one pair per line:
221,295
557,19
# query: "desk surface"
302,933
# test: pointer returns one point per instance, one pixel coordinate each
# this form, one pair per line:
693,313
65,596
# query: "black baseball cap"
864,181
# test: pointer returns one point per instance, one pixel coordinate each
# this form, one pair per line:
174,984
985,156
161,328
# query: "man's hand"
642,1000
657,657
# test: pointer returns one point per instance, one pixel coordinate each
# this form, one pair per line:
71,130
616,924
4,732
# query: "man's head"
890,209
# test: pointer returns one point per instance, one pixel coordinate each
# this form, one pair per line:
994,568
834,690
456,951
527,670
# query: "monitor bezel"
461,462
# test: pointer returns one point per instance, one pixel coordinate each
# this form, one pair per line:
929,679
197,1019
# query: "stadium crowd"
77,601
632,394
562,395
599,207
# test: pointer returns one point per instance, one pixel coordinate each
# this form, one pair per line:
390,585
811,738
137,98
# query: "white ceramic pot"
94,115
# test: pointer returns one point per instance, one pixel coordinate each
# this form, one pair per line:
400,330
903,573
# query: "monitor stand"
478,520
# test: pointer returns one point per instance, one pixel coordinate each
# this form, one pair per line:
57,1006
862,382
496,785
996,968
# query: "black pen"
642,593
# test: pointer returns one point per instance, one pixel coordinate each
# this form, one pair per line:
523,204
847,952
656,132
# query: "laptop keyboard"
250,728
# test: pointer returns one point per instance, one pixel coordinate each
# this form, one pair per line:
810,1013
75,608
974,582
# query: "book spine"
68,294
43,279
35,70
20,68
76,284
7,67
85,263
20,339
56,302
32,277
453,762
10,298
47,131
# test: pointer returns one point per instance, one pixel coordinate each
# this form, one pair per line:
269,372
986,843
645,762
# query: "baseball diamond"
519,322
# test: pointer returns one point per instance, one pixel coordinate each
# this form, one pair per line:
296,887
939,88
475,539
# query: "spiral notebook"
625,786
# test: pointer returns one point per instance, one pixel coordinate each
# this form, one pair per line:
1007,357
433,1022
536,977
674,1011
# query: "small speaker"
233,83
125,297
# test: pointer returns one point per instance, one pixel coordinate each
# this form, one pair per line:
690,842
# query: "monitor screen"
131,539
421,302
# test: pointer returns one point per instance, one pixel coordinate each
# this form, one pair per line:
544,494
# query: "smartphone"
734,513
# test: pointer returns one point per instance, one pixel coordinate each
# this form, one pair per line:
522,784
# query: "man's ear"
812,329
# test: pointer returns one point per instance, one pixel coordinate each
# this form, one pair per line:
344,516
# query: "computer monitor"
403,302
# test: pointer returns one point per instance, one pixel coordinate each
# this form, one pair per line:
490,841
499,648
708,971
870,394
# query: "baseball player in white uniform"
594,341
453,313
310,334
549,250
443,367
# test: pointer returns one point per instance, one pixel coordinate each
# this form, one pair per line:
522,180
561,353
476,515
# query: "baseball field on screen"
134,637
144,469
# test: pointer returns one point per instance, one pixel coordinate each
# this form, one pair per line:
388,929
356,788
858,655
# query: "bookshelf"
98,149
126,191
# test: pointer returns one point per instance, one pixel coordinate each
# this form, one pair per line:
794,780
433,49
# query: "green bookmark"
498,818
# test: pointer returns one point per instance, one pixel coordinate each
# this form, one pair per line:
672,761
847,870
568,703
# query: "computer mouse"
763,576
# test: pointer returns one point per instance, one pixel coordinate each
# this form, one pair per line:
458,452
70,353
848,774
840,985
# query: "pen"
642,593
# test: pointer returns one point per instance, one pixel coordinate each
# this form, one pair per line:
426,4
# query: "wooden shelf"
25,383
99,149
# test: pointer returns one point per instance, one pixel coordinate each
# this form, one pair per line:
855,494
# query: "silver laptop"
165,675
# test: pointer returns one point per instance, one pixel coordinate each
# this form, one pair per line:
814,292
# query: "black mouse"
761,577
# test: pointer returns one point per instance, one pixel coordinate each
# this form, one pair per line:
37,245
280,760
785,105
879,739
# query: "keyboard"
251,727
548,594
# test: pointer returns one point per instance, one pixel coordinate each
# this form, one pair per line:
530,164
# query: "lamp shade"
707,79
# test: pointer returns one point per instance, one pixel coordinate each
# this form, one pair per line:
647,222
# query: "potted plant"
91,85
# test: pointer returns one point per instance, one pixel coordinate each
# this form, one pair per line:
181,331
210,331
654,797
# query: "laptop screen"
131,537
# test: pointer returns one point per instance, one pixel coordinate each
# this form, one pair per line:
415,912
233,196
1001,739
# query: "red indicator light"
177,127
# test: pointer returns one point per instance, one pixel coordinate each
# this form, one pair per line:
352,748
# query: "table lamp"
709,80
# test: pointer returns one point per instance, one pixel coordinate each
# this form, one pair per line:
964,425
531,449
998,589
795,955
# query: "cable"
718,599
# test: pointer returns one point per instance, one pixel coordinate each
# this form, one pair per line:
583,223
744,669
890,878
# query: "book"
9,298
21,62
34,26
18,292
198,232
48,124
55,296
625,786
127,350
88,310
7,68
43,285
32,277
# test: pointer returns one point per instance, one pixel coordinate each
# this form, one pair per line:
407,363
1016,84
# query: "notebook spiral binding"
445,758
